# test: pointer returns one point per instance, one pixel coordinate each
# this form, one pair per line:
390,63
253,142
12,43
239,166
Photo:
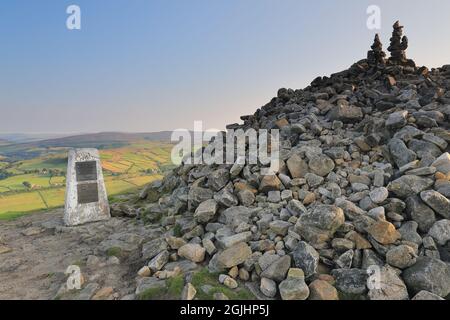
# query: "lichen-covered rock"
409,185
321,165
298,167
437,202
442,164
346,113
351,283
425,295
320,224
401,257
322,290
268,287
206,211
218,179
390,287
428,274
192,252
278,269
440,231
294,286
158,262
233,256
306,258
198,195
420,213
400,152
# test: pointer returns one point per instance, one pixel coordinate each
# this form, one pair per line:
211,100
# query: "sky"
152,65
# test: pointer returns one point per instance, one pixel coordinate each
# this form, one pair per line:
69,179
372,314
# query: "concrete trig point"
86,198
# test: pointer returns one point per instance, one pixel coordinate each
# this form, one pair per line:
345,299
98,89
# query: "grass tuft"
172,290
153,294
204,277
114,252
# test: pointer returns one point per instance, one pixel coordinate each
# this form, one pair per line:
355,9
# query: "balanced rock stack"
399,44
364,184
376,56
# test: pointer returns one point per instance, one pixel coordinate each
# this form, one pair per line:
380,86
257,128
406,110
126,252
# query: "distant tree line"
45,171
4,174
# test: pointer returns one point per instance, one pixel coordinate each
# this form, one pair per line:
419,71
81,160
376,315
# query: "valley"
32,175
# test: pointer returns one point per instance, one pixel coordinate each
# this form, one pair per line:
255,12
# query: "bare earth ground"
35,251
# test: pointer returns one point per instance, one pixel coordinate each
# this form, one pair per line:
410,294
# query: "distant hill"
13,138
102,140
97,139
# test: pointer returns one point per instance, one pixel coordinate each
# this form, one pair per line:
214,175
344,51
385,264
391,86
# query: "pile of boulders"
360,206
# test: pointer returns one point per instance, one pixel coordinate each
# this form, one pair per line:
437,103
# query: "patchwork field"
137,157
38,184
15,183
58,161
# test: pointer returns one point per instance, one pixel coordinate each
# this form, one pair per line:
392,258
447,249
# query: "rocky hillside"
364,182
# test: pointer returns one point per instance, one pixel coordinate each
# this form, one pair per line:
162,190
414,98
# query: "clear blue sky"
149,65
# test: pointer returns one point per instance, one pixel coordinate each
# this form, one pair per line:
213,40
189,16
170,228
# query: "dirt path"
36,250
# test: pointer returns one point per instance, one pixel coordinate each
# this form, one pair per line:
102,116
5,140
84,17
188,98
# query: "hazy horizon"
150,66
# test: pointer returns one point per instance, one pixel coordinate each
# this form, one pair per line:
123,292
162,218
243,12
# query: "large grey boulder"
428,274
152,248
233,256
397,120
400,152
409,185
235,215
192,252
218,179
206,211
346,113
226,198
425,295
320,224
277,270
294,286
198,195
321,165
442,164
437,202
297,166
390,287
440,231
306,258
350,283
401,257
420,212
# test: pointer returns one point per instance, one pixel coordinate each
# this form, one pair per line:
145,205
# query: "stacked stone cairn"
399,44
376,56
363,189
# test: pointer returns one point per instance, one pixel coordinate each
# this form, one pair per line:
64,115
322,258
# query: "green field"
15,183
126,169
53,197
21,202
52,162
